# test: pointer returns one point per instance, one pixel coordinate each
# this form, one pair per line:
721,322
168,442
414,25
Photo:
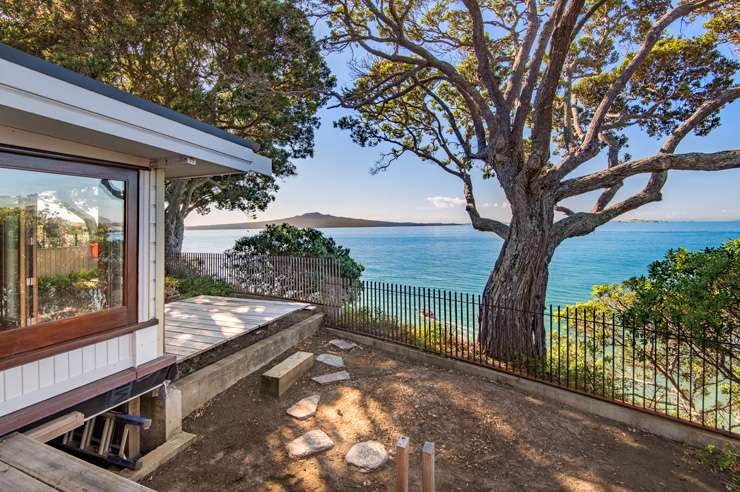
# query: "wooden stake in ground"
402,465
427,467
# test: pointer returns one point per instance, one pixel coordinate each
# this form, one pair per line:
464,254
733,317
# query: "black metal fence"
672,372
315,280
669,372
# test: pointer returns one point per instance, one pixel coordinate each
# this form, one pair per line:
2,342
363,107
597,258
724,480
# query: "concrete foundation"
207,383
654,424
165,410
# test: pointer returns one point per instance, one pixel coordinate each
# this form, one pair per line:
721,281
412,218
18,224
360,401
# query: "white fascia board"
27,90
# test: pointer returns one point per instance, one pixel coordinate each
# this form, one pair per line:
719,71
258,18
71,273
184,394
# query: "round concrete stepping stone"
342,344
308,444
330,360
367,455
331,378
305,408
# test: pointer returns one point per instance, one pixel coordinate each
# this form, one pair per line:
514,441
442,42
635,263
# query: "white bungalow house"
82,171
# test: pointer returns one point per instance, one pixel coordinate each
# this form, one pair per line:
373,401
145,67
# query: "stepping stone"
309,444
343,344
331,360
305,408
367,455
332,378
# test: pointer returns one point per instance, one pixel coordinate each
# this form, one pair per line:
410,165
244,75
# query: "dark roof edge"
19,57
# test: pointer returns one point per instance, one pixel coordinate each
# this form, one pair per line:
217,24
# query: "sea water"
460,258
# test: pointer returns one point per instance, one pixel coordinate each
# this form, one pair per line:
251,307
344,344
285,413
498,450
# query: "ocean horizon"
459,258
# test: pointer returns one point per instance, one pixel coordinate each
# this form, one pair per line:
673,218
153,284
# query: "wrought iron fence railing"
681,374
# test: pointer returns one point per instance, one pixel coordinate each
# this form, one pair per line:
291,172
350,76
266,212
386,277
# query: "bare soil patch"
487,436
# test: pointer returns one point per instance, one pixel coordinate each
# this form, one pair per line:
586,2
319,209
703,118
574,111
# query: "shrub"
195,285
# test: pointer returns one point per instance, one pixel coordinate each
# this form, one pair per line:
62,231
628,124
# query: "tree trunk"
174,231
512,311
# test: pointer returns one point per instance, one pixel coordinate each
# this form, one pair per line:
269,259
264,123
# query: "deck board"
58,470
201,323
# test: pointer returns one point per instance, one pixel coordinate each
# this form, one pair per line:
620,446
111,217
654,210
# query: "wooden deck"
201,323
27,464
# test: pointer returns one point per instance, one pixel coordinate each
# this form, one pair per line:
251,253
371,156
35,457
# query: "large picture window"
67,250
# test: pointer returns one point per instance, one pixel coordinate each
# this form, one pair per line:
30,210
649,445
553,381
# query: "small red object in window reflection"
94,249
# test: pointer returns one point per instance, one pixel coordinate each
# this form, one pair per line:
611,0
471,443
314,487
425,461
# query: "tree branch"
480,223
693,161
588,147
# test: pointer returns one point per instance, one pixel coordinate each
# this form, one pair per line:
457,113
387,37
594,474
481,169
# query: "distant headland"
318,220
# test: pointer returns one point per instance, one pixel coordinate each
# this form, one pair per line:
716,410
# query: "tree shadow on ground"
487,436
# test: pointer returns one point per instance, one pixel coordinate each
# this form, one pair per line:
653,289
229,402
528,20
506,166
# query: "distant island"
317,220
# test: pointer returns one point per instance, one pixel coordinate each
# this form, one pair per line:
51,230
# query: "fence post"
427,467
402,465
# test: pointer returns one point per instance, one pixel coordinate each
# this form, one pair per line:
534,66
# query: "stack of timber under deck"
27,464
201,323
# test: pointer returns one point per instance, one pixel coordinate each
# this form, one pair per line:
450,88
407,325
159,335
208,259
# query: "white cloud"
501,204
446,201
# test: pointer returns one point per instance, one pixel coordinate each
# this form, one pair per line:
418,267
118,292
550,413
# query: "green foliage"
696,291
677,325
250,67
287,240
53,284
195,285
65,295
726,460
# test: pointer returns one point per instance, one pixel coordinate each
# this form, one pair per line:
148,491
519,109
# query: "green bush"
287,240
195,285
65,295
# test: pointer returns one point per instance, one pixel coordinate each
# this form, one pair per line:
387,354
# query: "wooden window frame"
32,338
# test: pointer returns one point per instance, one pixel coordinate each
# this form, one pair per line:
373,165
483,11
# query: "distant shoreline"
232,227
317,220
331,222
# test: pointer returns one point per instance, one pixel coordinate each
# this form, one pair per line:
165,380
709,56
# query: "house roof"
38,97
42,66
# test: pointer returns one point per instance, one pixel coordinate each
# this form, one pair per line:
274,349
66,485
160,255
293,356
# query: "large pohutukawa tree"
527,92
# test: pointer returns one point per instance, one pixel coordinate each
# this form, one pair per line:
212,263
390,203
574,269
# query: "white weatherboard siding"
36,381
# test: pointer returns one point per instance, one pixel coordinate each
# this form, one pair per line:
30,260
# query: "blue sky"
337,181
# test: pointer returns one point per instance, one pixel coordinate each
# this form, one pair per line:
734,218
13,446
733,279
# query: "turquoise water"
459,258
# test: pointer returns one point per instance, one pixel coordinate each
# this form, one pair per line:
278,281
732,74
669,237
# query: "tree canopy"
250,67
287,240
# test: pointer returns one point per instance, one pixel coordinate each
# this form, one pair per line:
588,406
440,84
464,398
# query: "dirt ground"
487,436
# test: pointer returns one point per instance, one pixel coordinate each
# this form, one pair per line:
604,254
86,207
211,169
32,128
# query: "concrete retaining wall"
207,383
655,424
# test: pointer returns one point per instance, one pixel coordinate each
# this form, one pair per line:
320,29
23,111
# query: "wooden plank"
243,301
237,308
58,469
277,380
179,351
195,337
185,327
225,317
402,465
173,342
217,301
134,431
12,479
427,467
220,321
55,428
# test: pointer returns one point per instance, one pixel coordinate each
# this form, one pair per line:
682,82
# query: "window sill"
48,351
